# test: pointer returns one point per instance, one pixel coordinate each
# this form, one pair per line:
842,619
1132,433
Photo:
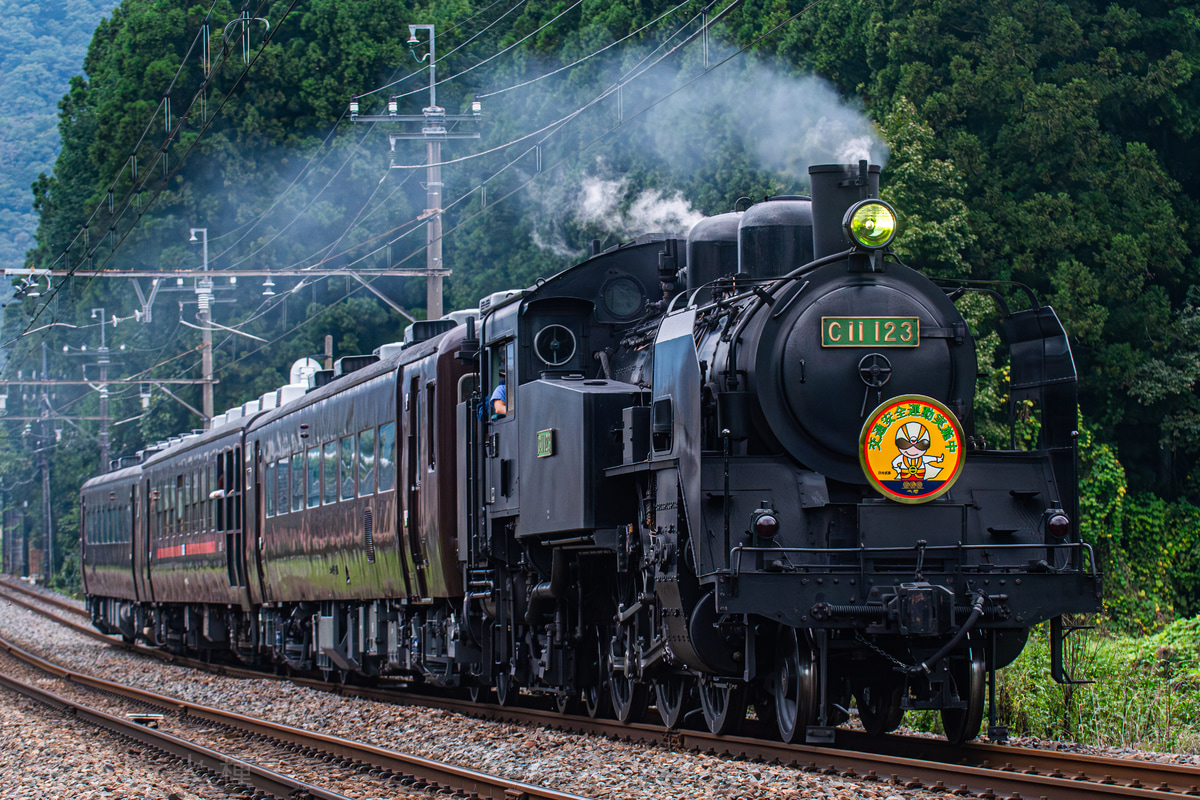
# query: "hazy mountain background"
42,45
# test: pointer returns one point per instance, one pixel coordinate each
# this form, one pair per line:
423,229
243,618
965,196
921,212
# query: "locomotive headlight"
870,224
1058,524
766,524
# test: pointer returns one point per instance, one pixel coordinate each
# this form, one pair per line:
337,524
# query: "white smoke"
787,122
605,206
772,126
602,202
652,211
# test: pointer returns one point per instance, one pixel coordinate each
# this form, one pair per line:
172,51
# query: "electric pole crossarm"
147,304
414,117
186,404
115,381
52,416
395,137
385,298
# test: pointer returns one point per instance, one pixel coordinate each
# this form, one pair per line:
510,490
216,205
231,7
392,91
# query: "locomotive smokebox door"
862,338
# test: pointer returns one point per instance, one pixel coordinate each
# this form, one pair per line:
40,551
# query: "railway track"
971,770
373,771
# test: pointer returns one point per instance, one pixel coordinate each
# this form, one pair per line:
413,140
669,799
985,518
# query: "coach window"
214,469
269,489
236,477
329,473
387,457
218,490
297,482
431,423
229,485
283,481
314,476
346,462
366,462
185,503
179,500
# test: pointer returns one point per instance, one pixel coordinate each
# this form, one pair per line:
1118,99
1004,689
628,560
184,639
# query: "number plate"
870,331
545,443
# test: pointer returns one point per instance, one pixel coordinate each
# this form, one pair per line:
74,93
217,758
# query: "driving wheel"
724,707
968,678
795,685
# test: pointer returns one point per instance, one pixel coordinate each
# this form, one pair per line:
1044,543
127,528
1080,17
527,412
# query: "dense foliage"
1046,143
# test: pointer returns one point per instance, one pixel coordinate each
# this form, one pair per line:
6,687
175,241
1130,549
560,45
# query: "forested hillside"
1047,143
41,47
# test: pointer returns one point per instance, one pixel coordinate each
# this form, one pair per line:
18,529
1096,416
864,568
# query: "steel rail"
981,770
423,772
230,768
47,599
975,768
224,670
1173,778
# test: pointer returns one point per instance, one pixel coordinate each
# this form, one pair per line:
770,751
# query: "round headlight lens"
871,224
766,526
1059,525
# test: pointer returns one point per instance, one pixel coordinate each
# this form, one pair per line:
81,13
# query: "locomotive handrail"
966,282
735,554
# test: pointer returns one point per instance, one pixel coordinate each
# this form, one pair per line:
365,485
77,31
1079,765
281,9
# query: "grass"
1146,693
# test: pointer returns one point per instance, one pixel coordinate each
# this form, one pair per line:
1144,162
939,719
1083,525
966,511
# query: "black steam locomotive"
737,469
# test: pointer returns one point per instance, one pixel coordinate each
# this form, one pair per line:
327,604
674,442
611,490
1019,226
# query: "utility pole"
103,362
433,132
204,292
44,465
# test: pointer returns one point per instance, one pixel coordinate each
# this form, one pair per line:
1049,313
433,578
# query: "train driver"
499,398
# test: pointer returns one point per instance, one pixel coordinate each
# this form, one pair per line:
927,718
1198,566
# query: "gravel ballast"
587,765
592,766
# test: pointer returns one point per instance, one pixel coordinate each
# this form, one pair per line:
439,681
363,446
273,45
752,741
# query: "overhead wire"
588,57
126,201
561,160
632,116
565,119
493,57
318,194
417,72
341,119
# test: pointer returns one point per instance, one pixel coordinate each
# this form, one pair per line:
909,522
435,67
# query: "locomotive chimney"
836,187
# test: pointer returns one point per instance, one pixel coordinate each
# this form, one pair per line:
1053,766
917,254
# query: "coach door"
229,514
144,544
254,520
412,477
137,547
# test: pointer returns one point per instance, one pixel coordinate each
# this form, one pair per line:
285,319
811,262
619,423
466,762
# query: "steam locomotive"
737,469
